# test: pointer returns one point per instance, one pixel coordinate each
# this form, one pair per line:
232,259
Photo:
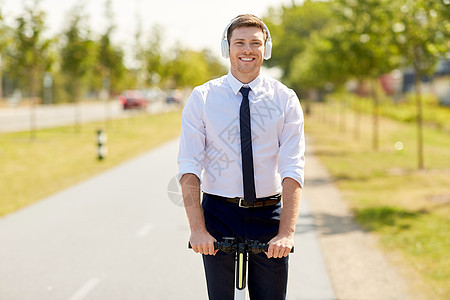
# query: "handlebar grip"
258,248
215,245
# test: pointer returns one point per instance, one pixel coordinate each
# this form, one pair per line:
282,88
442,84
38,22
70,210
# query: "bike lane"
123,235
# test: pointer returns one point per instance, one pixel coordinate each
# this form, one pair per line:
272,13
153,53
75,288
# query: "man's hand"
280,246
202,242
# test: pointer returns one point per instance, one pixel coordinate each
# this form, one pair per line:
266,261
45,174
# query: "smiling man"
246,53
242,144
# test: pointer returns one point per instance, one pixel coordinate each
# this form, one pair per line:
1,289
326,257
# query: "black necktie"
248,173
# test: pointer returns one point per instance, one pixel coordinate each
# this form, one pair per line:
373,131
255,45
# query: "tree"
316,70
422,36
363,43
215,66
291,29
154,60
139,53
297,37
192,68
77,54
29,54
110,58
29,57
4,40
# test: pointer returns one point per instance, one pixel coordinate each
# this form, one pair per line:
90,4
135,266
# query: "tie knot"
245,91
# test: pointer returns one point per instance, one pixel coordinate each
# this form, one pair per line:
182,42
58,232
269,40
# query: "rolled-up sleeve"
191,151
291,159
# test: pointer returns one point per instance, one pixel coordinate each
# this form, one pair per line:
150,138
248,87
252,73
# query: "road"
123,235
44,116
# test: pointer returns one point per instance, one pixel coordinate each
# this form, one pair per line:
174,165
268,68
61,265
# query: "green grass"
409,209
59,157
404,109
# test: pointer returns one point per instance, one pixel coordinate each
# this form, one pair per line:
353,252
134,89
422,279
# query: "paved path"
121,235
115,236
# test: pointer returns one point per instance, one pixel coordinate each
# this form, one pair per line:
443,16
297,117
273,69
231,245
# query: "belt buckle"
241,203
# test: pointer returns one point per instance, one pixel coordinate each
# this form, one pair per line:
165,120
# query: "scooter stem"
241,266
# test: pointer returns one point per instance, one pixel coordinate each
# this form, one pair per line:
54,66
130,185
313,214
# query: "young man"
242,139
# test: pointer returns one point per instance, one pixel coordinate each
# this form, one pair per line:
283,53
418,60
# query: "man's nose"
247,48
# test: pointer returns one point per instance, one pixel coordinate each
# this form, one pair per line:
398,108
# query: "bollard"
102,150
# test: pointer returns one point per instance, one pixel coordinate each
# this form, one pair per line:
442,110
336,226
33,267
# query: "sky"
196,24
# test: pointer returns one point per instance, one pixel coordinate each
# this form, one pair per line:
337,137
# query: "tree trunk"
357,117
77,106
33,121
357,124
420,159
375,117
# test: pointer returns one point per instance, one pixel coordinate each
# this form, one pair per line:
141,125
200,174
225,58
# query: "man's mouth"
246,59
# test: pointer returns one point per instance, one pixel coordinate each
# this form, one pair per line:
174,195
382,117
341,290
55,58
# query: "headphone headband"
226,45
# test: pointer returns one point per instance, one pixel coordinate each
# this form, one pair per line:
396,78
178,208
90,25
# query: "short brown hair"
247,20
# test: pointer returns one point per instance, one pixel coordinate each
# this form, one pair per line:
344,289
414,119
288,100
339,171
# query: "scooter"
229,245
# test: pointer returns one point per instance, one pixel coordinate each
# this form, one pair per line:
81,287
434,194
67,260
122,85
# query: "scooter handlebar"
229,246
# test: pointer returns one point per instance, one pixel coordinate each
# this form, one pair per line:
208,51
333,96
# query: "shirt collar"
236,84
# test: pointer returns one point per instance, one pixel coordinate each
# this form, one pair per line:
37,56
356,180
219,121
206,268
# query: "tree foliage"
333,41
323,44
422,32
110,59
80,62
291,29
191,68
180,67
316,67
77,55
4,41
362,38
153,54
29,51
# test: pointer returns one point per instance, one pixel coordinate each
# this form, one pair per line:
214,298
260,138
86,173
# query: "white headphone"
226,45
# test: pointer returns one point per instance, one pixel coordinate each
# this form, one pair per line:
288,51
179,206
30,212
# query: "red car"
133,99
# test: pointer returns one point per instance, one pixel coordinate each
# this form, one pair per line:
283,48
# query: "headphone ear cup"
225,48
268,50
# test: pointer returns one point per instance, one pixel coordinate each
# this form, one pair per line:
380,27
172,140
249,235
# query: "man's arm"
291,162
201,241
282,243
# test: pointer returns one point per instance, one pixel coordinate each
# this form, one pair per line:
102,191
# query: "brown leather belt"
260,202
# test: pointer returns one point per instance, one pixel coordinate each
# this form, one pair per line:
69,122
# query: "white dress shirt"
210,138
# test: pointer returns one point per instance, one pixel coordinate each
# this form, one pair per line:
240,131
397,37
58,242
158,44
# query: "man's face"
246,53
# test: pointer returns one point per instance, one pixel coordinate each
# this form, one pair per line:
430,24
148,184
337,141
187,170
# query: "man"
218,150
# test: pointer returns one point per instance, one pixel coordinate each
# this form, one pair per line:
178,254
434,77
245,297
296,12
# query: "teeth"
247,59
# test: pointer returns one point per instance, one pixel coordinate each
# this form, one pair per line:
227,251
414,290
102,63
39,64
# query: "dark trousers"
267,278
